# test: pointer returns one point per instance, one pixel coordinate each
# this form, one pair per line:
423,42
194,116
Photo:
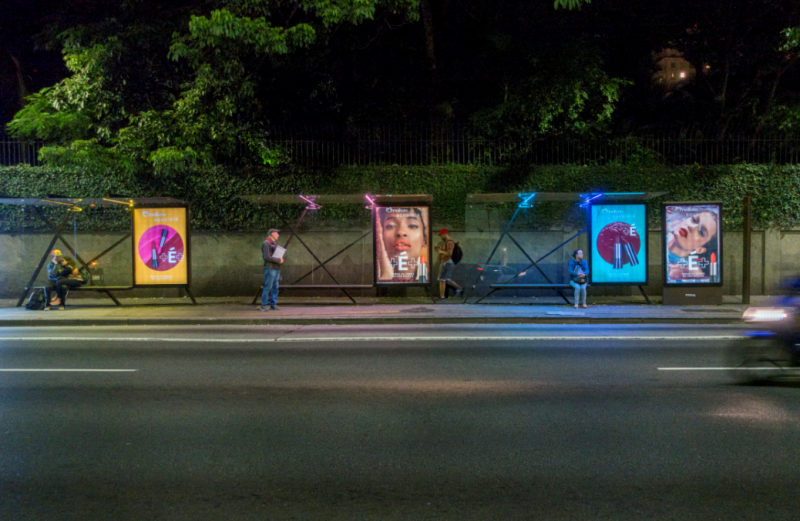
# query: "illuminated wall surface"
402,249
160,246
692,244
618,244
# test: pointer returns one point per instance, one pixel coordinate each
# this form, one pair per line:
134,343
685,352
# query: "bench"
556,287
342,287
100,289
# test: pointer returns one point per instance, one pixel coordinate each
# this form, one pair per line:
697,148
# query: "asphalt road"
390,422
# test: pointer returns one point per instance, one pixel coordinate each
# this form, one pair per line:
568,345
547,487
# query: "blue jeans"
580,290
270,288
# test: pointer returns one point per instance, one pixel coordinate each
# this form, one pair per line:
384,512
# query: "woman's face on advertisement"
694,232
403,234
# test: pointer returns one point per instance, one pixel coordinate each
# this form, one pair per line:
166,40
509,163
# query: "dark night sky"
388,76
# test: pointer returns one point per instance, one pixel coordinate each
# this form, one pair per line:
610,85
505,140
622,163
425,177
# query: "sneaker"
262,308
61,307
459,292
48,308
274,308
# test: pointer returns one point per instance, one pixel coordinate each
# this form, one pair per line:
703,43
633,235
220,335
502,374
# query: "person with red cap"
447,265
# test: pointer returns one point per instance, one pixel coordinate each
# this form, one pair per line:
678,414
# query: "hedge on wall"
775,190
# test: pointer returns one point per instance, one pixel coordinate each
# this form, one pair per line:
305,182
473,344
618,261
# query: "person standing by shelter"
447,265
579,272
272,270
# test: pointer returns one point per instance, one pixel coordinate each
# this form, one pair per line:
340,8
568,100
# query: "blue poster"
618,251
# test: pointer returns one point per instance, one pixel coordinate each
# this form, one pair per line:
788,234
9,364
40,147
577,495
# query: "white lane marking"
358,339
68,370
720,368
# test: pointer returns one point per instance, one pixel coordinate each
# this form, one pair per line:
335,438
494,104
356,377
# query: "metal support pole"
295,234
535,265
333,257
508,227
747,210
39,266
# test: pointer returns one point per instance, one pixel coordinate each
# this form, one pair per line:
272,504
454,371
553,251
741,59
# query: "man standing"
272,271
447,265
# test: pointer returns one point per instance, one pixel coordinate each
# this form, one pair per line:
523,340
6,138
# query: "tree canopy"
165,87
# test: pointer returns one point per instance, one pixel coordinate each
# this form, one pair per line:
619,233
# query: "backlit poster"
618,250
161,246
692,243
402,244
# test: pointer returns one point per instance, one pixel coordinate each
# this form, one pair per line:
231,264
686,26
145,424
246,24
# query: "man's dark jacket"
267,251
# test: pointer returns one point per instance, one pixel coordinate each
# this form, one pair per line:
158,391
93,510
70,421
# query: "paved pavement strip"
240,314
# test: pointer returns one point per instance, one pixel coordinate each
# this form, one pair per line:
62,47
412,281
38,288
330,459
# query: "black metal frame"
399,202
311,204
643,237
56,230
533,264
187,248
664,245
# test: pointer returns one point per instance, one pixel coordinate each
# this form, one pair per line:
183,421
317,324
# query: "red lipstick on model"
684,232
401,245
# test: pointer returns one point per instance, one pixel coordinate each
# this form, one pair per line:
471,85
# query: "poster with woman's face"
401,245
692,243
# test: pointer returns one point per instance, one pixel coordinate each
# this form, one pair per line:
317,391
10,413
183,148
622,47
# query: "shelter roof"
562,196
88,201
298,199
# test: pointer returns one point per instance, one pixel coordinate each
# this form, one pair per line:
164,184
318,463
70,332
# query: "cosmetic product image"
714,272
164,234
617,255
422,271
631,254
154,262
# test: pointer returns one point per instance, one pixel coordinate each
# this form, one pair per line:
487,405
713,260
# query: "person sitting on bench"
74,279
57,268
578,270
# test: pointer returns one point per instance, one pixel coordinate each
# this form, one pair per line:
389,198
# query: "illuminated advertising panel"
618,243
160,246
692,243
402,244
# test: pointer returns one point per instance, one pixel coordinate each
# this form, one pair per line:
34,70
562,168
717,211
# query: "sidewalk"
306,311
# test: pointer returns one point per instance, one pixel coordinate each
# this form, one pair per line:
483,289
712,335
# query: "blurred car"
771,349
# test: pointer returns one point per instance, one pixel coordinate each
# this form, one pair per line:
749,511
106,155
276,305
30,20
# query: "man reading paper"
273,258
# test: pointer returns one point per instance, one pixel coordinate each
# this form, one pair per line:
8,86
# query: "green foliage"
563,93
570,4
201,102
215,207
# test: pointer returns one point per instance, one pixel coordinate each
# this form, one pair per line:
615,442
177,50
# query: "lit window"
683,74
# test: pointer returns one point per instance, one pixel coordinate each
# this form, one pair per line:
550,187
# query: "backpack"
458,254
36,300
85,275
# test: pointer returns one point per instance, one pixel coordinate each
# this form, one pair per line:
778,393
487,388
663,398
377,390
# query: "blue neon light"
526,203
587,201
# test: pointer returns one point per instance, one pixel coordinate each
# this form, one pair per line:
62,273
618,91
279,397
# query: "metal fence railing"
16,152
323,146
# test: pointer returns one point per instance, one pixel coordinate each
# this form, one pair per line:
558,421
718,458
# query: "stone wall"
229,264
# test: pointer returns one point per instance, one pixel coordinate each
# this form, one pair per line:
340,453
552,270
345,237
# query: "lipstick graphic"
422,270
155,255
164,234
630,253
714,267
617,255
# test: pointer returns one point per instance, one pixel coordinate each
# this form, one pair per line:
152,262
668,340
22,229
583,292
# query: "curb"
78,322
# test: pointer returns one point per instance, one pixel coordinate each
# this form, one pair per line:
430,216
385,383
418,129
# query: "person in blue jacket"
579,273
